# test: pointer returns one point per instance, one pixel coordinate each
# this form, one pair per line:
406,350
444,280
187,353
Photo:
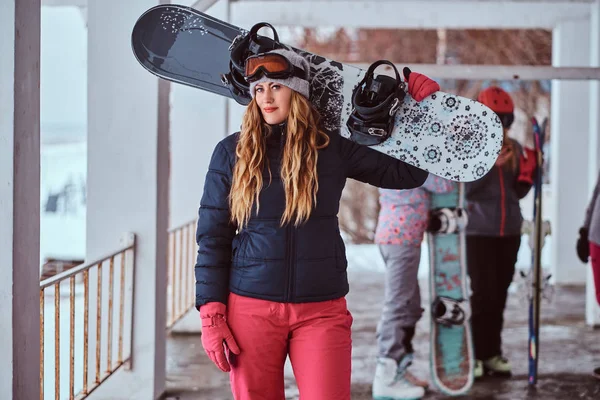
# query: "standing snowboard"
450,136
452,359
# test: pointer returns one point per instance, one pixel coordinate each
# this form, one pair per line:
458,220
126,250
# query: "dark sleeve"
590,209
375,168
521,189
215,232
479,184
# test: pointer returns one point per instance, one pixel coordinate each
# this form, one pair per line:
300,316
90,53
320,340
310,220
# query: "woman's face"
274,101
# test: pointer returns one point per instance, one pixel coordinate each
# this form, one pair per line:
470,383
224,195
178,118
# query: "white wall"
198,123
128,184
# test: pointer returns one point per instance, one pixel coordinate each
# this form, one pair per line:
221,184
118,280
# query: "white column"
128,150
19,198
592,311
198,123
569,149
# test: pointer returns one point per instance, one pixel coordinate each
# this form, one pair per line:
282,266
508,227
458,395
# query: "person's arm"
583,244
590,207
375,168
438,185
215,232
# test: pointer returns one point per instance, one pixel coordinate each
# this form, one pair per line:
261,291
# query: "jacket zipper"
502,202
290,263
290,257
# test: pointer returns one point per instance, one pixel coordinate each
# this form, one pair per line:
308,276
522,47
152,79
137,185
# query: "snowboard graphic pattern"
452,359
447,135
450,136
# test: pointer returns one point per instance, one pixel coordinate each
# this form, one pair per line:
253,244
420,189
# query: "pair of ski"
535,280
447,135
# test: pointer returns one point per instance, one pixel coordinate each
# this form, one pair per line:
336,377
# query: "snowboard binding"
375,100
447,220
448,312
242,47
526,287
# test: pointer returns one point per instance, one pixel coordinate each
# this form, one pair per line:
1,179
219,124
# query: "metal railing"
180,272
92,296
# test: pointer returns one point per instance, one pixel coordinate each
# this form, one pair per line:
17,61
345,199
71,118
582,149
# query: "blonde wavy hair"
298,165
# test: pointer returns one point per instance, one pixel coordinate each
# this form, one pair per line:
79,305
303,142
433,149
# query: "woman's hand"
215,333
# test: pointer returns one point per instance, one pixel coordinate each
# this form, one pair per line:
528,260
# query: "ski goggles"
271,65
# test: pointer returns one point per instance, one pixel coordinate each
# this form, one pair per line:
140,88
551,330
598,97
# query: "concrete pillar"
128,151
199,121
569,149
592,308
19,198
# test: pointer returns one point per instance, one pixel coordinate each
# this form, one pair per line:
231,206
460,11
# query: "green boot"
497,366
478,370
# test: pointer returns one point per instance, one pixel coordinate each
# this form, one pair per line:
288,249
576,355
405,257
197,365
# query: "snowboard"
447,135
536,264
452,353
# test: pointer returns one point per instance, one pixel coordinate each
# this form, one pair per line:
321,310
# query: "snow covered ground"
62,200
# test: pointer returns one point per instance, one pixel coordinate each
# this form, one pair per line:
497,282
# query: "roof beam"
495,72
62,3
203,5
413,14
200,5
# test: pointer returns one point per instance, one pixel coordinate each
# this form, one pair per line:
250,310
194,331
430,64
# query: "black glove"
583,245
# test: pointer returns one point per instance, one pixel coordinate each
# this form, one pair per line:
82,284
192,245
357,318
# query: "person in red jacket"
494,237
271,274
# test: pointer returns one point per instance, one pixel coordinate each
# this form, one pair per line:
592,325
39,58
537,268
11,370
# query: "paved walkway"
569,351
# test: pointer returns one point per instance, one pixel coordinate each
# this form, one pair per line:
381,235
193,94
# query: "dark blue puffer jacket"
284,264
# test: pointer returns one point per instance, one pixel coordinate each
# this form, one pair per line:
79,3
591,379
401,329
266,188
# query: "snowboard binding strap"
376,99
242,47
447,220
448,311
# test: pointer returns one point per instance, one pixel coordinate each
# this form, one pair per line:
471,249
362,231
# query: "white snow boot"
394,382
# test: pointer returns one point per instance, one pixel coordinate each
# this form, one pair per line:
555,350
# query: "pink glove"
215,331
527,166
419,85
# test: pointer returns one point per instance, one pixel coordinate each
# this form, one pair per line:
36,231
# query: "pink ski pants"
316,336
595,259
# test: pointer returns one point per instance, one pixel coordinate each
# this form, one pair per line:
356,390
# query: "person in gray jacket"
494,237
588,243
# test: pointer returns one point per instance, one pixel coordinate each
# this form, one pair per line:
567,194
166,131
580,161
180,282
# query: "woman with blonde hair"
271,266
